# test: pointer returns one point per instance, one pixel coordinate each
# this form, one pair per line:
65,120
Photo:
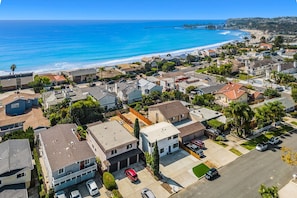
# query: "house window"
129,146
162,150
182,115
175,145
20,175
169,138
175,136
152,144
114,151
15,105
87,161
0,182
61,171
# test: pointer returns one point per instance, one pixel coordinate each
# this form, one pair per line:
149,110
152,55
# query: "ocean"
45,46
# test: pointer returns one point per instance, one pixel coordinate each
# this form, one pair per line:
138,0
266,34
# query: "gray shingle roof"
62,146
97,92
14,155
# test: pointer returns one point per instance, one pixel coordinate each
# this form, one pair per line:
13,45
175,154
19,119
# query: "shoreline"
57,68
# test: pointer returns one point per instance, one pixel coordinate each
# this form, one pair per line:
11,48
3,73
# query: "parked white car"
60,194
75,194
262,147
92,187
274,140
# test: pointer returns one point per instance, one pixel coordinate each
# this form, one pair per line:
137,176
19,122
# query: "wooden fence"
189,150
141,117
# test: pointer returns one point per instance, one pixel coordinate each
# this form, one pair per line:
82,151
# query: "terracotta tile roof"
55,78
256,94
232,91
170,109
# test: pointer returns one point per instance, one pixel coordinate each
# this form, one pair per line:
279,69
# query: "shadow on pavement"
173,157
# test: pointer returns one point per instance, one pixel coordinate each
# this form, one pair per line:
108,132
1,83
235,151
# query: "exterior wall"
156,88
17,107
108,102
155,116
165,144
134,96
13,179
179,118
103,156
9,84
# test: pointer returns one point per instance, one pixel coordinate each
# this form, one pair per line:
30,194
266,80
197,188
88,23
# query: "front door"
169,149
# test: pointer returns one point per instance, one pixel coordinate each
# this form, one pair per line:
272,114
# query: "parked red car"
198,143
131,174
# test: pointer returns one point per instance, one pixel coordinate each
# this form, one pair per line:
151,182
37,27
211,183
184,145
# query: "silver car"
147,193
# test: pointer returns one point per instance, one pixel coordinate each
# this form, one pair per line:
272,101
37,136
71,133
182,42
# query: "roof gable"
170,109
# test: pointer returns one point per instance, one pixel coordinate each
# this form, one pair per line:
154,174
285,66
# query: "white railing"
75,174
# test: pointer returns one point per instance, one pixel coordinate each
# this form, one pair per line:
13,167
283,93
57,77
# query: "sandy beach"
257,33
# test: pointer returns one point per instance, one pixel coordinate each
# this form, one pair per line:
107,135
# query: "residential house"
55,79
17,191
15,163
231,92
20,105
16,81
82,75
287,102
164,133
211,53
52,98
190,130
259,67
129,68
171,111
67,160
113,145
106,99
209,89
128,92
266,46
204,114
17,113
148,87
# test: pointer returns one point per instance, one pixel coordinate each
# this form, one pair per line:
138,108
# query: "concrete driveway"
146,180
217,154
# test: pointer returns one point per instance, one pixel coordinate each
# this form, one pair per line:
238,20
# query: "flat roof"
110,135
159,131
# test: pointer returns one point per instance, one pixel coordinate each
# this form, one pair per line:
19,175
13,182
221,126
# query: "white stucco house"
164,133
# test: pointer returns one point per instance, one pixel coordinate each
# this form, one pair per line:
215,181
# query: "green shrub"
109,181
116,194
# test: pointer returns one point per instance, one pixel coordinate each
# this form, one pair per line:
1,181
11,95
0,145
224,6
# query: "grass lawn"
235,151
244,77
293,122
221,143
201,70
200,170
251,144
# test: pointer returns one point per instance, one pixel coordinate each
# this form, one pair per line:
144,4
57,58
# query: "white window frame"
87,161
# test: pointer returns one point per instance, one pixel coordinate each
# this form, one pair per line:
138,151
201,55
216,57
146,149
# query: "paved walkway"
289,190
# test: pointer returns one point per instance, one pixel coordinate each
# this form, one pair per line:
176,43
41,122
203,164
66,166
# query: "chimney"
279,67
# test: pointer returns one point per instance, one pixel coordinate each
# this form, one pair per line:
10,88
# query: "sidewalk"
289,190
235,142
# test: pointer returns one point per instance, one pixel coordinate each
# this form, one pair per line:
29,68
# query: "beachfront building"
55,79
82,75
67,160
16,81
164,133
113,145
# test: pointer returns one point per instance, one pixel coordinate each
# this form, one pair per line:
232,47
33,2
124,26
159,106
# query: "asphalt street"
243,177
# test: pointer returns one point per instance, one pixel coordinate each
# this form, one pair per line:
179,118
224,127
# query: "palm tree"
12,68
240,116
276,111
263,39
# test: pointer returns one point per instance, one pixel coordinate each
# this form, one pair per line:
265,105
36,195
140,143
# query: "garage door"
133,159
123,163
113,167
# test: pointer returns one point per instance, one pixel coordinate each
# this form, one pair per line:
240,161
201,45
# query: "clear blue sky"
144,9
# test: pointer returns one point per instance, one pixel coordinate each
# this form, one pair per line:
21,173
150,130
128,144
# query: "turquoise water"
42,46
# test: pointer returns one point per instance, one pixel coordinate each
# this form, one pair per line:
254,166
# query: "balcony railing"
74,174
